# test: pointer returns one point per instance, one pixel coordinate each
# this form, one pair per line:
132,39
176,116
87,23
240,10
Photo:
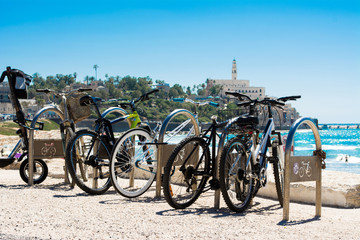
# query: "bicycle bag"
76,111
21,84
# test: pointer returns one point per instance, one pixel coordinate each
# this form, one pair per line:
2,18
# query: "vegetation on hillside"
115,87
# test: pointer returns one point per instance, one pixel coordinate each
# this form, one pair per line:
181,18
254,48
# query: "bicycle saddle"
87,100
247,120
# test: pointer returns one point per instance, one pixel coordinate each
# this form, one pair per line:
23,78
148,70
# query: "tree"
95,67
215,90
87,79
188,90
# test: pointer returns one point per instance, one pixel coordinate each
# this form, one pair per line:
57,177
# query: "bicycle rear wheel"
236,183
186,172
278,168
133,163
178,125
87,157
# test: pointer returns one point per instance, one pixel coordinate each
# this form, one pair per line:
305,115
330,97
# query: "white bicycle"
134,159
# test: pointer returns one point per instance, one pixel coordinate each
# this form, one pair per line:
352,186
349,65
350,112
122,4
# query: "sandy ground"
54,210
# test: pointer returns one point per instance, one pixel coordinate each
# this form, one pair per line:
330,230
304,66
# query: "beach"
54,210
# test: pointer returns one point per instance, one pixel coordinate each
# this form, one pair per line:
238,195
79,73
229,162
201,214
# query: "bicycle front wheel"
87,157
40,170
133,163
186,172
236,182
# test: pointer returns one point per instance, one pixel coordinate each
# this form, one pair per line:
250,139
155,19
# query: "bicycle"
134,160
244,159
18,78
88,152
70,113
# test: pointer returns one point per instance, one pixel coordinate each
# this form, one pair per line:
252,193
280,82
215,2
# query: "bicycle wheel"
278,169
186,172
40,170
87,157
236,183
133,163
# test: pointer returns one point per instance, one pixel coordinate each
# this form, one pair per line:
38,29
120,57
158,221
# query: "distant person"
346,158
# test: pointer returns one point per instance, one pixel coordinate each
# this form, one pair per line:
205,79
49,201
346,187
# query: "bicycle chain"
321,154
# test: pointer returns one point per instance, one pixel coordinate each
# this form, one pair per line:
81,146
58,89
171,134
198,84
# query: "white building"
241,86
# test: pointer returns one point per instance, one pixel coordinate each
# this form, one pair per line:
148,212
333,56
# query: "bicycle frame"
261,148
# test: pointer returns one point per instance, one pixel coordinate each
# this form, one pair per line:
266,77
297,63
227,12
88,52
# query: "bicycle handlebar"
238,95
84,90
146,96
45,90
267,101
284,99
53,91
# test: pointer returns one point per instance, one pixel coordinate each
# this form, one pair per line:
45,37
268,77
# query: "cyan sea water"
342,147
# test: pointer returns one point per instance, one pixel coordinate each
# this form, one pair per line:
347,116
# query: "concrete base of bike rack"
339,189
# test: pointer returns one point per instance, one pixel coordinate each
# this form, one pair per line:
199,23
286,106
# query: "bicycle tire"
182,187
133,163
38,176
236,182
67,176
89,170
278,169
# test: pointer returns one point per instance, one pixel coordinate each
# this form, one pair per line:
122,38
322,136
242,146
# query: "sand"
53,210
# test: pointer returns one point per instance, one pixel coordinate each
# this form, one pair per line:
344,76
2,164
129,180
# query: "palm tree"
87,80
95,67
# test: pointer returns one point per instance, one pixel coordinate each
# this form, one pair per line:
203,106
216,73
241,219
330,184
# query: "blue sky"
310,48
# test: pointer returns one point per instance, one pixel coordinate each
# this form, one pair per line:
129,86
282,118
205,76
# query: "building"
4,92
235,85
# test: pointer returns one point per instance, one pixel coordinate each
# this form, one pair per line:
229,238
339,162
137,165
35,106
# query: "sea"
342,147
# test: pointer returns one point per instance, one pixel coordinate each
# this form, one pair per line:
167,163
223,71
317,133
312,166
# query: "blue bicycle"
244,159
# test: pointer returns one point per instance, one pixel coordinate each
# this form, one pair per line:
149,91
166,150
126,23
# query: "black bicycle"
88,153
190,166
18,82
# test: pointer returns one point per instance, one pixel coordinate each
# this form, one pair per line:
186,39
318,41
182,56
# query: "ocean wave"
327,147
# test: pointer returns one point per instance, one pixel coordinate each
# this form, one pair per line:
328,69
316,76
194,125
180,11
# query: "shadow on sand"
292,223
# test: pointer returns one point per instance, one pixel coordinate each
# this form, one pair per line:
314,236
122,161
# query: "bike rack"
293,170
31,138
169,147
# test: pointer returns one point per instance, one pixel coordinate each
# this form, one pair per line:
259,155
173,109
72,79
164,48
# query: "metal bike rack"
170,147
31,137
293,172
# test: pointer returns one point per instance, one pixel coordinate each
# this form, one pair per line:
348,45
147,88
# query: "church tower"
234,73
